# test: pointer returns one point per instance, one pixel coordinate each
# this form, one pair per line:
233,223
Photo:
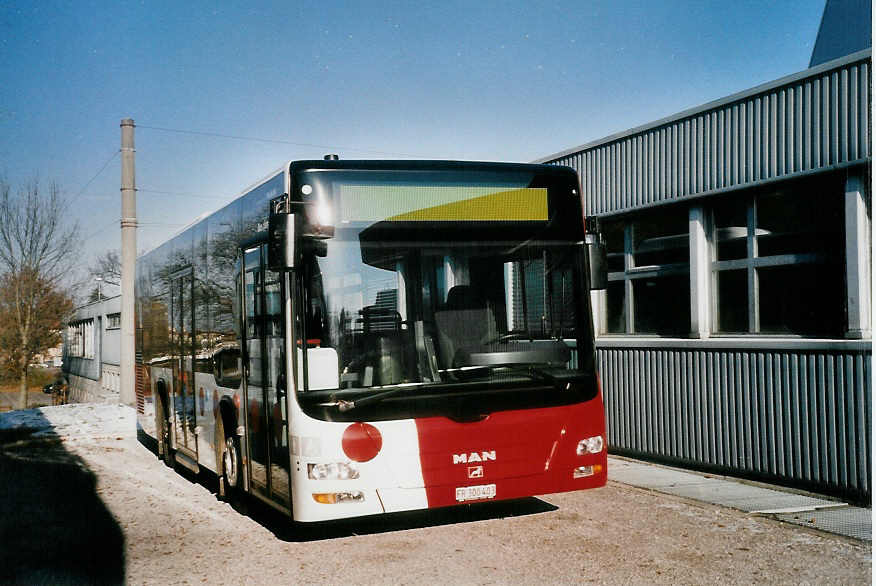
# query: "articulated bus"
352,338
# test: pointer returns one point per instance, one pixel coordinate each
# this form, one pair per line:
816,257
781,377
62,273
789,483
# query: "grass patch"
37,378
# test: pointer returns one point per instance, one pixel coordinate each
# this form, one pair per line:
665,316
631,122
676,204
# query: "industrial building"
735,333
92,340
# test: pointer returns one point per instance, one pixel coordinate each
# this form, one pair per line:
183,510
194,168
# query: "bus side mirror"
281,241
596,258
596,254
296,228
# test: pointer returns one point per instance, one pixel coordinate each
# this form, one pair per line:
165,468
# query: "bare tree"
37,250
108,269
108,266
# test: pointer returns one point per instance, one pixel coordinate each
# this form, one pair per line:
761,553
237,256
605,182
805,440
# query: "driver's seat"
464,323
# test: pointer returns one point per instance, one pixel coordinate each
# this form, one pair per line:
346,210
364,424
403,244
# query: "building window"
80,339
113,321
649,274
778,264
74,340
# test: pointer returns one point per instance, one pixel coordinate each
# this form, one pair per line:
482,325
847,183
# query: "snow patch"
76,420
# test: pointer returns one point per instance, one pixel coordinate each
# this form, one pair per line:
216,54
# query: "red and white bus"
353,338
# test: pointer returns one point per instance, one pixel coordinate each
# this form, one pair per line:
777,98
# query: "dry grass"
37,378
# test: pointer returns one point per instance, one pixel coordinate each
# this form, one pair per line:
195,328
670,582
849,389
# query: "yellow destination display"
399,203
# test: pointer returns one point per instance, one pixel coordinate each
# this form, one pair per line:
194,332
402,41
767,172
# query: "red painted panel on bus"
361,442
523,453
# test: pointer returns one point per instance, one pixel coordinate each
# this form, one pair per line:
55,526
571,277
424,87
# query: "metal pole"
129,257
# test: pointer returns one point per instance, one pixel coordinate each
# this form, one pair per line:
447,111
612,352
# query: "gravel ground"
86,502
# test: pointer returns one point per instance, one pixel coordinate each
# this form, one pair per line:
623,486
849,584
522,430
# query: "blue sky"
452,80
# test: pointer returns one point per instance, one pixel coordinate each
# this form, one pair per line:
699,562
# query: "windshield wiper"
510,337
344,405
561,380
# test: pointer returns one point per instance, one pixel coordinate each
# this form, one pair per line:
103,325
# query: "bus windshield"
432,284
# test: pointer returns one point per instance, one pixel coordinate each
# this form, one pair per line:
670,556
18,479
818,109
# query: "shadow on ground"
54,528
283,528
302,532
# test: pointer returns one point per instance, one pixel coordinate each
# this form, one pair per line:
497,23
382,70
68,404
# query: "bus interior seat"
382,326
463,324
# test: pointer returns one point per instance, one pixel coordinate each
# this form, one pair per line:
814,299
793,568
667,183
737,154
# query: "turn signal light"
585,471
334,498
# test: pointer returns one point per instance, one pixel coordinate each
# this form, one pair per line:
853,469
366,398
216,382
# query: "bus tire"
228,463
162,431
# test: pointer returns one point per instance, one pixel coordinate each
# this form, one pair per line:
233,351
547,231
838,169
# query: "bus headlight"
332,471
591,445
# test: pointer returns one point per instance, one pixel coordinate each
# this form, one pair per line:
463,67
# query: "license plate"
473,493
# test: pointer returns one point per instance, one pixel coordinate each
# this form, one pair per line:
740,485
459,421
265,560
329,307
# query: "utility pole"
129,258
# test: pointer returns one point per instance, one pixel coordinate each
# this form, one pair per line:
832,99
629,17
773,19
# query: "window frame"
751,264
632,273
80,339
113,321
846,257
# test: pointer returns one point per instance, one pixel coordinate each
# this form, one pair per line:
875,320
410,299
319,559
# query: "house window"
80,339
113,321
649,274
778,264
72,341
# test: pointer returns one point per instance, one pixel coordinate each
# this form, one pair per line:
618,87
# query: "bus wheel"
162,430
228,463
231,463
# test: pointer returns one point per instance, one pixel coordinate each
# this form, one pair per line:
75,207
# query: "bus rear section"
444,347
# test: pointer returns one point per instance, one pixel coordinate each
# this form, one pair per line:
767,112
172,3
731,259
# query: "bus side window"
235,300
227,367
315,311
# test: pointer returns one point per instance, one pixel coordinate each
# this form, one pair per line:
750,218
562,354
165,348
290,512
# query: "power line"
96,175
276,141
102,197
199,196
99,230
182,193
97,197
149,225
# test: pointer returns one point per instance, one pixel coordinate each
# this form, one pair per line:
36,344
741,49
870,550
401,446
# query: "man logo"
475,471
474,457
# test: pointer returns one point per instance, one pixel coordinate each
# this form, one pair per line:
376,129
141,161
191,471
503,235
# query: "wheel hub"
230,462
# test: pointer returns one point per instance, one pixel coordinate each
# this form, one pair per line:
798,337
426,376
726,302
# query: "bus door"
182,328
265,381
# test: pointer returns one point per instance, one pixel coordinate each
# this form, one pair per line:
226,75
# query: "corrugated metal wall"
797,415
814,120
794,417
